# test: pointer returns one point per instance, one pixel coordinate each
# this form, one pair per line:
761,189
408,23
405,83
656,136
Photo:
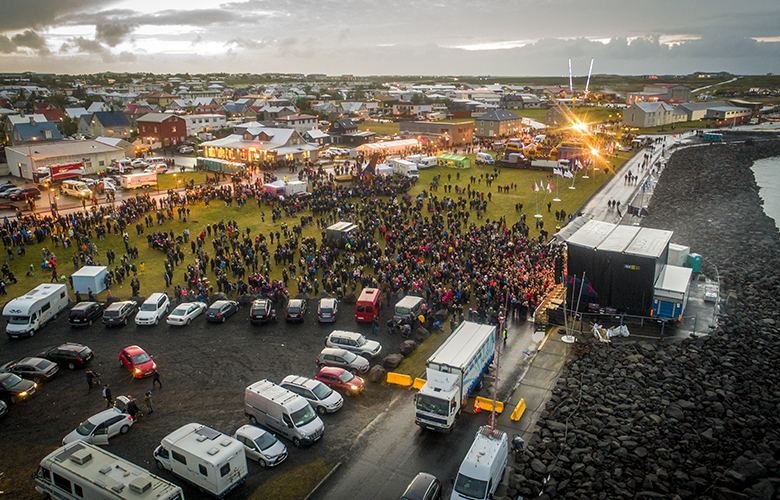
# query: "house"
158,98
699,110
255,145
54,115
105,124
406,108
341,127
730,114
28,130
166,129
498,123
445,133
98,106
357,138
204,123
75,113
325,107
25,160
301,123
316,136
666,92
126,146
648,114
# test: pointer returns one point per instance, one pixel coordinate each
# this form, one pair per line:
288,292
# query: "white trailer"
405,168
453,371
212,461
550,164
295,187
132,181
28,313
83,471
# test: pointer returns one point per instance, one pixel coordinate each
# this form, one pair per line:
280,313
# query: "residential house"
31,129
204,123
105,124
498,123
341,127
301,123
410,109
445,133
648,114
75,113
160,99
162,128
316,136
255,145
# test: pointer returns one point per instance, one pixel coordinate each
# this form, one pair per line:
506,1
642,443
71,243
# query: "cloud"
23,14
86,46
112,33
245,43
6,45
29,39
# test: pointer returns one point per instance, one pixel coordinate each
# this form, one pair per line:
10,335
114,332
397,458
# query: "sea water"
767,172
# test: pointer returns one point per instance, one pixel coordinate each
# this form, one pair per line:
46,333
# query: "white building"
648,114
96,156
204,123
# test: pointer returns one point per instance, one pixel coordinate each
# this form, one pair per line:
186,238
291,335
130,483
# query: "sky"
391,37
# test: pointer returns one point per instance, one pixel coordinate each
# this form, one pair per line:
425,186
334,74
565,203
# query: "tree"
167,88
69,126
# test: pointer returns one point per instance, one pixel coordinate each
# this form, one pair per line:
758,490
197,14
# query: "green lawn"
380,128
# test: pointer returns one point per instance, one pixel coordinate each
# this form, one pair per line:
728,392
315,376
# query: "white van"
405,168
28,313
428,162
283,412
212,461
83,471
76,188
482,469
485,159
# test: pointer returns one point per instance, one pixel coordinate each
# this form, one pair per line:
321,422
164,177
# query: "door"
100,434
250,447
114,424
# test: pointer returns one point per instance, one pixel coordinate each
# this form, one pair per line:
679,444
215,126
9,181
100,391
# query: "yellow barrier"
518,411
485,404
418,383
399,379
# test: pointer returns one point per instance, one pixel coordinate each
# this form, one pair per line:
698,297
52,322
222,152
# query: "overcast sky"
391,37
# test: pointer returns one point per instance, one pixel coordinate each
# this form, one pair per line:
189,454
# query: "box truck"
83,471
282,412
483,467
28,313
132,181
295,187
405,168
453,371
212,461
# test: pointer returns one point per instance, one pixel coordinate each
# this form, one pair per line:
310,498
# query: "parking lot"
204,369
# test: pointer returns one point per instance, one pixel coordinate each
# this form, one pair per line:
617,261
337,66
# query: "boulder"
217,296
138,300
392,361
420,334
376,374
350,298
408,347
245,299
110,299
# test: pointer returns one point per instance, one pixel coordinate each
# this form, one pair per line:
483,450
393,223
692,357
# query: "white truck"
453,371
423,161
295,187
483,467
132,181
28,313
212,461
83,471
550,164
282,412
405,168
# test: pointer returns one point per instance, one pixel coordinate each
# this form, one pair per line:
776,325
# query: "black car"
35,369
14,388
296,309
118,313
3,408
70,354
262,311
423,487
221,310
85,313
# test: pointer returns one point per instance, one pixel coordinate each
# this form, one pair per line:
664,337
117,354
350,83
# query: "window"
77,489
224,470
361,309
101,163
179,457
369,309
46,307
61,482
203,470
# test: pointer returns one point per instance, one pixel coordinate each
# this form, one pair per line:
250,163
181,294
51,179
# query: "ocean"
767,172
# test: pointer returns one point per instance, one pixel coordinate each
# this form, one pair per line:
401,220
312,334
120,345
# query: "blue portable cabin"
670,293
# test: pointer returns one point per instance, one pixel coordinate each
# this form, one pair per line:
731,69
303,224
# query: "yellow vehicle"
78,189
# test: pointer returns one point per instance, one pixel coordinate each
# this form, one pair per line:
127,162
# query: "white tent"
87,277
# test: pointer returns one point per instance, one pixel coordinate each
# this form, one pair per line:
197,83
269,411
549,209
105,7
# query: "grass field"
380,128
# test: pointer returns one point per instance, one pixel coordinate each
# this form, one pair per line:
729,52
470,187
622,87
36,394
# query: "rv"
405,168
282,412
83,471
483,468
132,181
28,313
212,461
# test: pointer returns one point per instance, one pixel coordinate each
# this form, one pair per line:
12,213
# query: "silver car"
342,358
261,445
98,428
321,397
327,310
354,342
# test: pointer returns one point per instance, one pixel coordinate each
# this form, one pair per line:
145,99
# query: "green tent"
453,161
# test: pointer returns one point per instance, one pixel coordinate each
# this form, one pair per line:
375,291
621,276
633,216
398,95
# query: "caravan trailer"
28,313
83,471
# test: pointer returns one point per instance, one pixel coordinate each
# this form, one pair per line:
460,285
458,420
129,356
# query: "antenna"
590,71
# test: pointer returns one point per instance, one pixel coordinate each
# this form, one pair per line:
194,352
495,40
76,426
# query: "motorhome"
83,471
282,412
483,467
131,181
209,459
28,313
405,168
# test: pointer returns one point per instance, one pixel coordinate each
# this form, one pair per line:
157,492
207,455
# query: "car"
33,368
185,313
8,192
220,310
3,408
14,389
354,342
118,313
137,361
154,308
341,358
262,311
25,193
186,150
85,313
69,354
423,487
156,168
321,397
139,163
341,380
296,309
327,309
7,186
99,428
261,445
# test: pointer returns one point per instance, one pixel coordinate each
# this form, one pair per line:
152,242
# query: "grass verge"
294,484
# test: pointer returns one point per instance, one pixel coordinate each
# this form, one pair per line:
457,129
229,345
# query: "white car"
327,310
98,428
261,445
140,162
156,168
185,313
186,150
151,311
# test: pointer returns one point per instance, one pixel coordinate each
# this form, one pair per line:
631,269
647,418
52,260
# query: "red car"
137,361
30,192
341,380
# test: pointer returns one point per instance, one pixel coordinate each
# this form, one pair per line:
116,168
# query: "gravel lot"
204,369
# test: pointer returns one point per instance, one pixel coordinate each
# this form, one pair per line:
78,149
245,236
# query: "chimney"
32,121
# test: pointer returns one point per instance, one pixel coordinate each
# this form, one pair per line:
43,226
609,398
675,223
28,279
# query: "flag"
550,187
573,281
568,174
557,171
587,288
610,148
536,187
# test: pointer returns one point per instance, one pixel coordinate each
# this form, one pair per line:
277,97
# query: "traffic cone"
477,409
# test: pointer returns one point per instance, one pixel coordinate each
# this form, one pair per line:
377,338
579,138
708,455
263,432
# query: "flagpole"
567,337
557,190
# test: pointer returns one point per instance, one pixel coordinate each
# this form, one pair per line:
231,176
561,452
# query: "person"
107,396
90,295
156,379
148,402
375,325
132,408
90,380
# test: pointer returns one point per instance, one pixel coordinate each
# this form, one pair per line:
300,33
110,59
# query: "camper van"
83,471
482,469
28,313
76,188
282,412
485,159
212,461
